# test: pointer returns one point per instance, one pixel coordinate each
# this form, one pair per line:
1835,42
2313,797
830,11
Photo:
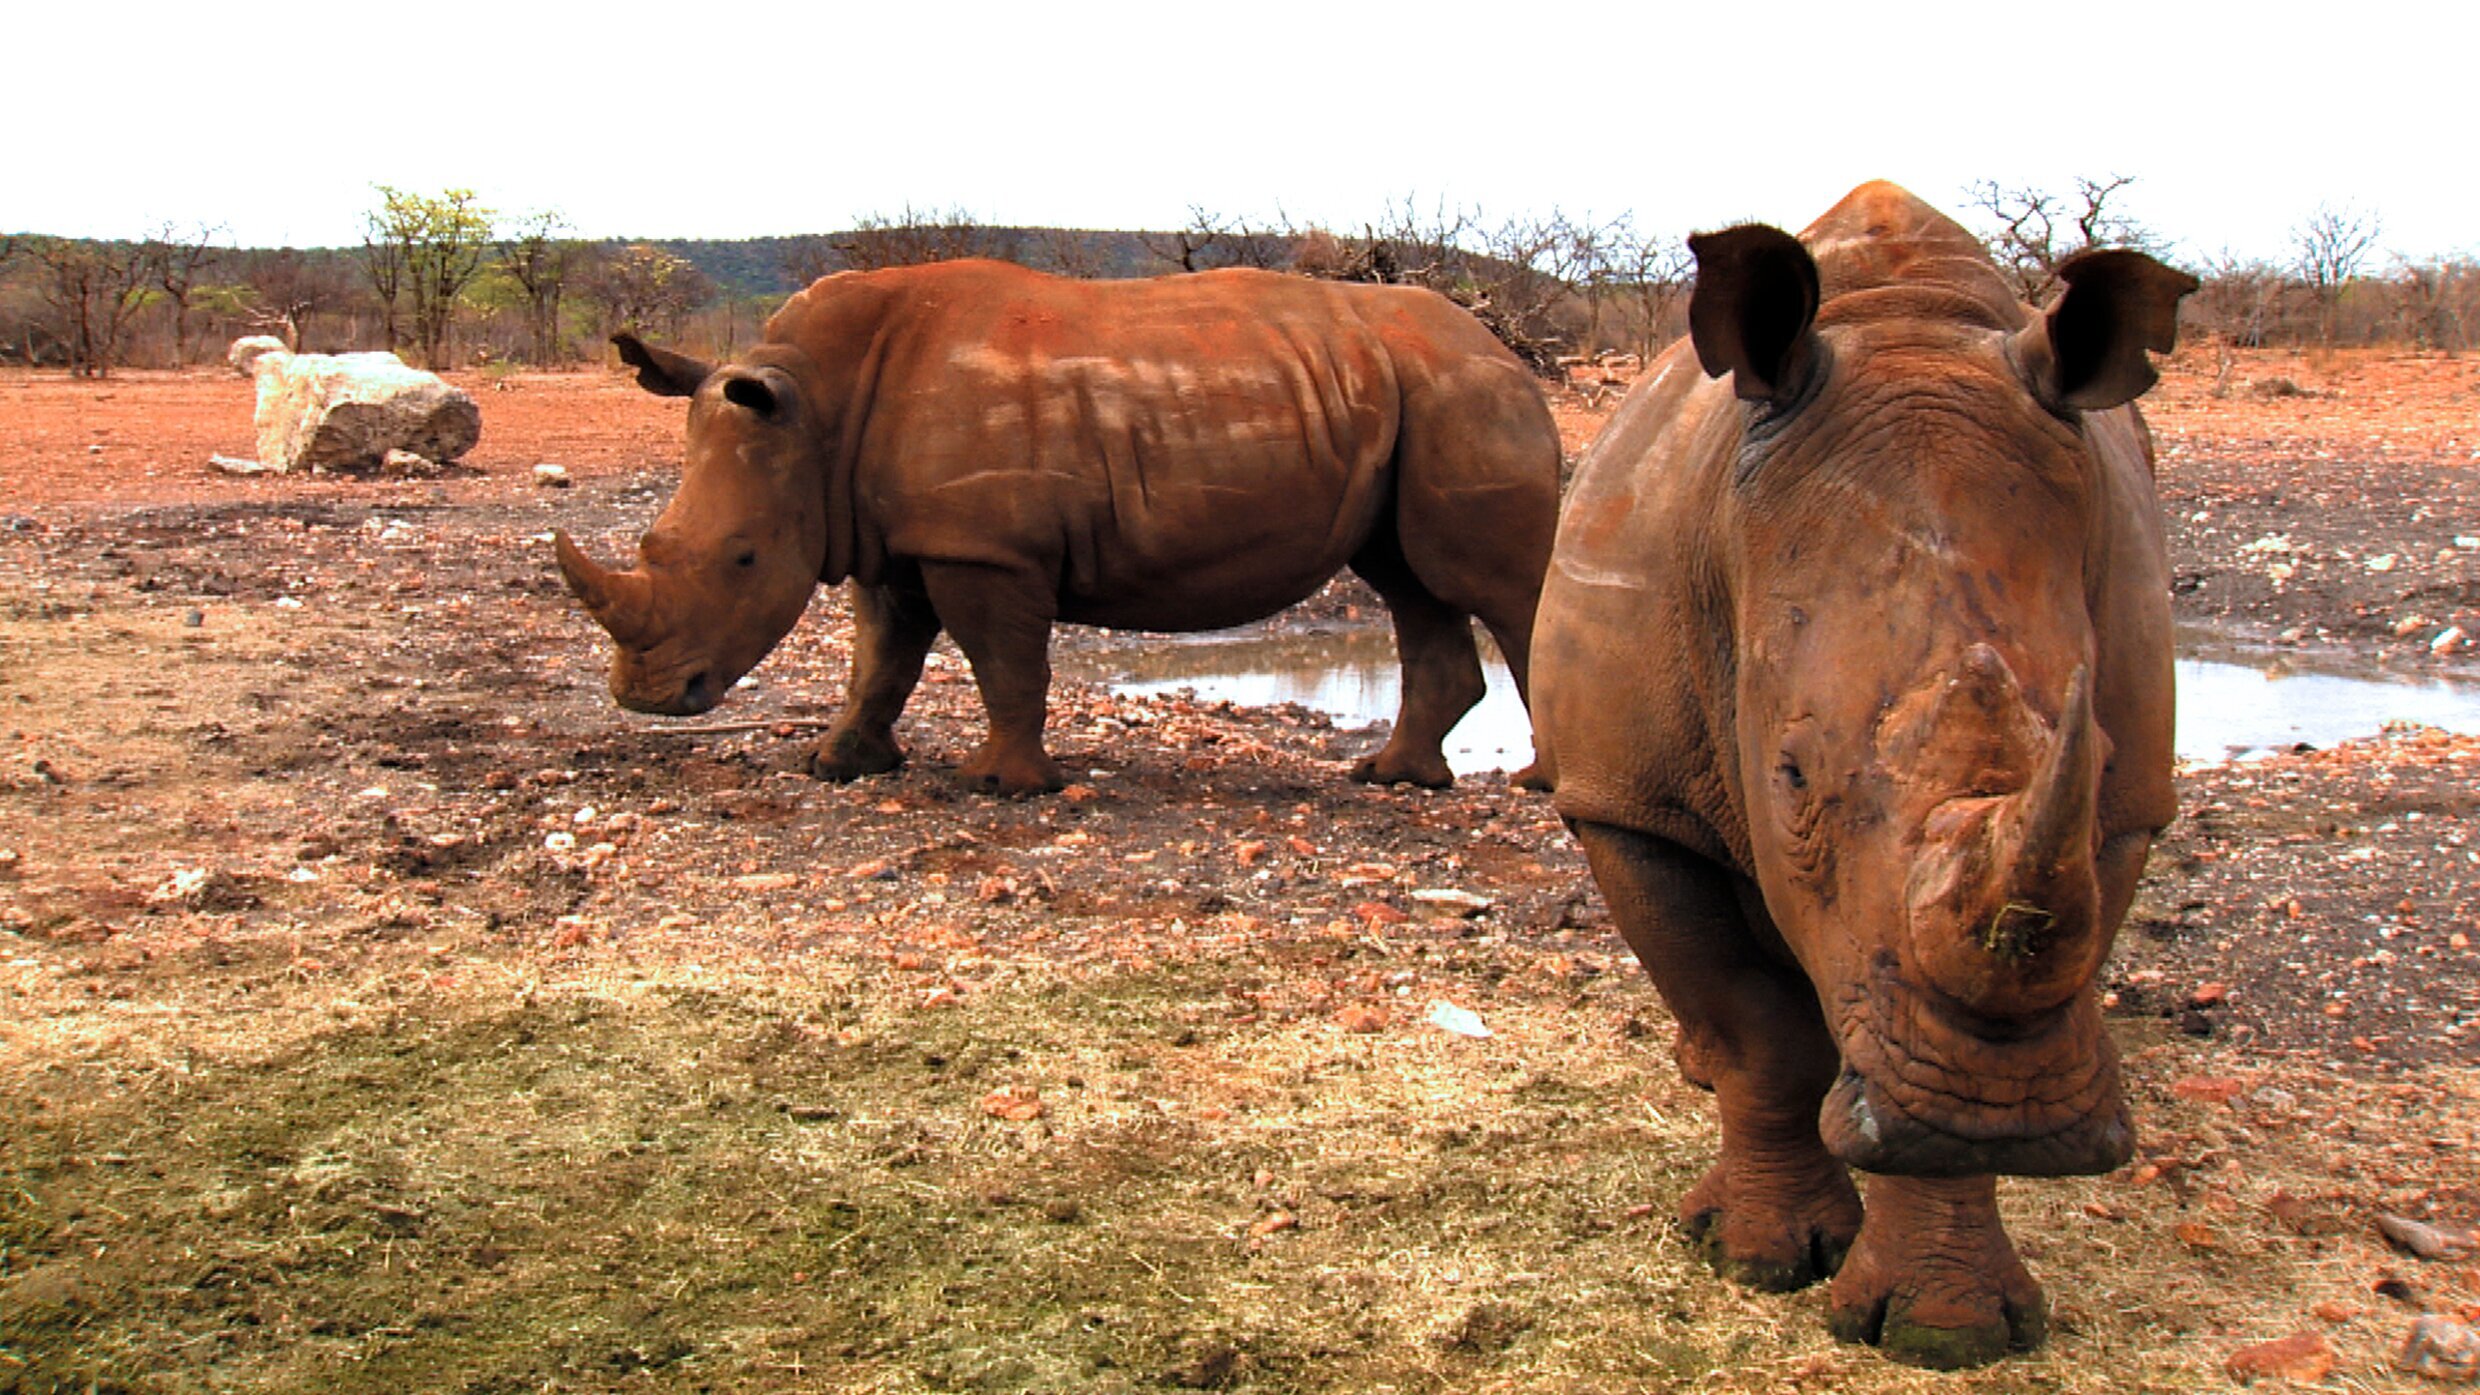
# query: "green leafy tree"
645,289
540,262
423,251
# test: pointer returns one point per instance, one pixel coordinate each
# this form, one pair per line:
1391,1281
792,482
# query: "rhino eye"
1792,775
748,558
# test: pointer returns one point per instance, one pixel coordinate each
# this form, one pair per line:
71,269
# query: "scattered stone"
2424,1241
1017,1104
2207,1089
2302,1356
235,465
1361,1018
2448,640
1464,1022
551,476
2441,1349
405,464
1453,902
1273,1223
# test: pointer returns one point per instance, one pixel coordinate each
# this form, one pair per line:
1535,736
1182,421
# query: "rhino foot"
1012,773
1936,1285
1776,1233
1389,767
849,755
1900,1325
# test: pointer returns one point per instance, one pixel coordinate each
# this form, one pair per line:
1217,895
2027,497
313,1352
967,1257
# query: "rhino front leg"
1442,674
1776,1211
893,629
1933,1279
1002,621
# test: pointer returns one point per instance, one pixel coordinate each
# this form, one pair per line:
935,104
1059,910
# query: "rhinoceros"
1852,676
987,450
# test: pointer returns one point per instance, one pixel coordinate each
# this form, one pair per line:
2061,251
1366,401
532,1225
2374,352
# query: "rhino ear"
751,391
1754,310
2089,352
660,371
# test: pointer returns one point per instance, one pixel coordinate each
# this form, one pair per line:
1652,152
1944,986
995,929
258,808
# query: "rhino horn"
616,600
2059,805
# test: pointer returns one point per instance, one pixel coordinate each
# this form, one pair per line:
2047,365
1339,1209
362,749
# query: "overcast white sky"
745,119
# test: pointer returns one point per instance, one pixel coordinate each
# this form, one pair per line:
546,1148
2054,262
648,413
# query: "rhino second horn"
614,599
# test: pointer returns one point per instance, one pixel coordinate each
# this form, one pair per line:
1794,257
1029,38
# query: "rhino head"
1924,531
728,567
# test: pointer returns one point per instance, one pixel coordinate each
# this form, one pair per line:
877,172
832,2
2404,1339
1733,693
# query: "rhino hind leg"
1933,1279
1002,621
1442,674
893,629
1776,1211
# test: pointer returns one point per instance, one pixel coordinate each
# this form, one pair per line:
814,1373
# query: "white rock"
339,411
2448,640
551,476
1462,1021
248,349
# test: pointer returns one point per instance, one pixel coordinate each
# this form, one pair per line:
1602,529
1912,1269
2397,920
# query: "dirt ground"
384,1010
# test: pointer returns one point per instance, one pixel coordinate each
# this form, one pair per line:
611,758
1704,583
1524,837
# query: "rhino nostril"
694,694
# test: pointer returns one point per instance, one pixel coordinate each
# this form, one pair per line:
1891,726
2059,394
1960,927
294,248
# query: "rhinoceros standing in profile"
1853,677
987,450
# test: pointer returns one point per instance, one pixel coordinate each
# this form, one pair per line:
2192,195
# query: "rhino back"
1175,451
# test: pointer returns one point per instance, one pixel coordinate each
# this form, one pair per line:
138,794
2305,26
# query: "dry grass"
659,1176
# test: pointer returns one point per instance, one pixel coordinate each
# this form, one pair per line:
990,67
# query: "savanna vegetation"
448,282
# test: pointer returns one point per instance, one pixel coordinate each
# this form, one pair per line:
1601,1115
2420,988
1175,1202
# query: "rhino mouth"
1929,1089
687,698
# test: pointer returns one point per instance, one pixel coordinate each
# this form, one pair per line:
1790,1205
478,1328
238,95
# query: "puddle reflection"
2233,702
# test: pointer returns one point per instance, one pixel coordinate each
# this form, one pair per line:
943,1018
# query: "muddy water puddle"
2234,701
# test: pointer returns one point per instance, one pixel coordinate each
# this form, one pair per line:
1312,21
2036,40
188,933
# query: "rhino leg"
1002,621
892,633
1476,509
1442,674
1776,1211
1933,1280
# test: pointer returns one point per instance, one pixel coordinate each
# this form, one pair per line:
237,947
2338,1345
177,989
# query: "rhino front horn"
606,595
2059,805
